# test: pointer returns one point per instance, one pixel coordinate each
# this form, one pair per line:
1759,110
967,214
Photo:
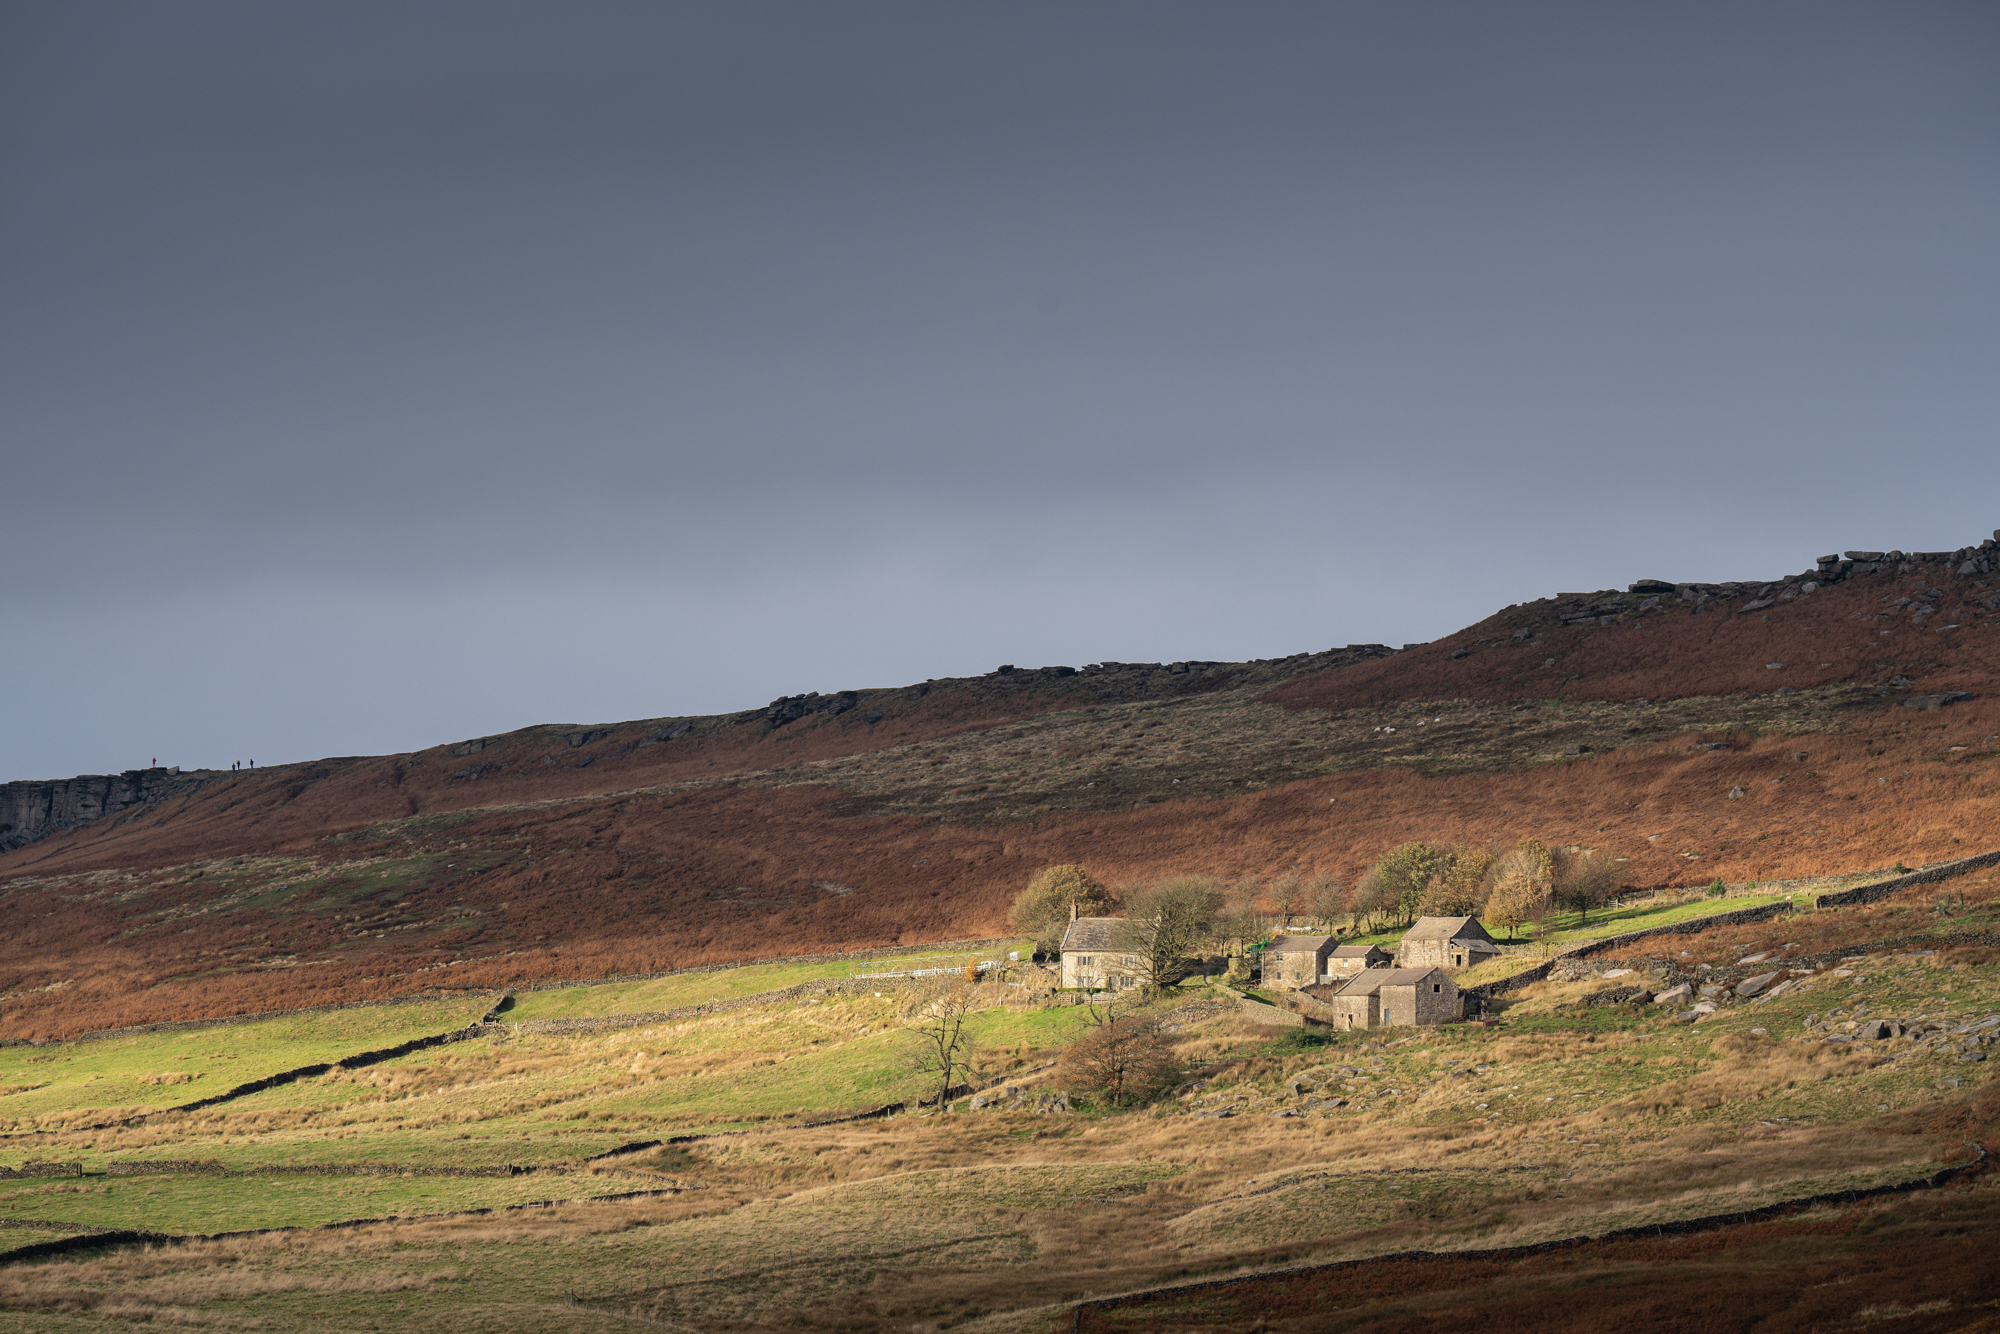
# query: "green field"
1287,1146
670,993
206,1204
70,1083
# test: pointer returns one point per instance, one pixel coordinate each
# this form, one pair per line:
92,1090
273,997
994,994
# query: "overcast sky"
375,375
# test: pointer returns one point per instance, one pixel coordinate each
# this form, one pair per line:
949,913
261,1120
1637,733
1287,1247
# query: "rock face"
1968,560
35,809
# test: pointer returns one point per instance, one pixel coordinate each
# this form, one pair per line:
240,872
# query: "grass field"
671,993
1290,1146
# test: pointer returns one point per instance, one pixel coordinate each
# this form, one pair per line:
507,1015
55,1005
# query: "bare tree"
1329,901
943,1049
1168,926
1288,897
1583,881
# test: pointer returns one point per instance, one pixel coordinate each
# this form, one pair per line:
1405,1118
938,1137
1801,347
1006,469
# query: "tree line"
1172,921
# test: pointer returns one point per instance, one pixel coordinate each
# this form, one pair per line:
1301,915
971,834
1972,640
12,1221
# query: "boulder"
1751,986
1874,1030
1936,701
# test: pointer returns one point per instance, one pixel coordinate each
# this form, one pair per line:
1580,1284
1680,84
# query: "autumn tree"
1168,926
942,1049
1520,883
1457,884
1123,1059
1042,910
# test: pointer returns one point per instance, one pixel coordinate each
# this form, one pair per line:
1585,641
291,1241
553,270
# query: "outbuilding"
1345,961
1291,962
1446,942
1396,998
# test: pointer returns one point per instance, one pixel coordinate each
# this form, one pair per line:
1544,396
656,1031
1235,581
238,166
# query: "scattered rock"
1674,995
1751,986
1936,701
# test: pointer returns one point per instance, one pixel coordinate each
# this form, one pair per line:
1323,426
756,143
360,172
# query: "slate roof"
1372,980
1358,952
1461,930
1091,933
1296,944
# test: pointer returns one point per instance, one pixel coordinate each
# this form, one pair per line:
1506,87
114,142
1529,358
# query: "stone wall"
1929,875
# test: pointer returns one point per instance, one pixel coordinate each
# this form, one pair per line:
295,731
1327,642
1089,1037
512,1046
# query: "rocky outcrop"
1982,559
38,808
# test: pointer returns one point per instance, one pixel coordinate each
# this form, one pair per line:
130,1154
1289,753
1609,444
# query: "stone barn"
1291,962
1345,961
1090,961
1451,943
1396,998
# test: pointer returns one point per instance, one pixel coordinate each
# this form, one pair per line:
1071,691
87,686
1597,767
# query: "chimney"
1072,910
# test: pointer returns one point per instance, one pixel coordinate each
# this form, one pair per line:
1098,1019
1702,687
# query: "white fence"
931,965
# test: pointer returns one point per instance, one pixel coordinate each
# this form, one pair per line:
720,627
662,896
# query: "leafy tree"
1123,1059
943,1047
1168,925
1404,873
1457,887
1042,910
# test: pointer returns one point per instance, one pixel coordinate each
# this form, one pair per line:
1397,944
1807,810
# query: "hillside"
1650,724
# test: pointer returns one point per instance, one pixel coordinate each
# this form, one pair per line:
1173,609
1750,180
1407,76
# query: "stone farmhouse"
1345,961
1446,942
1395,998
1291,962
1090,960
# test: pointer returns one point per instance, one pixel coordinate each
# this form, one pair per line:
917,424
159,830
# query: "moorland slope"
1692,732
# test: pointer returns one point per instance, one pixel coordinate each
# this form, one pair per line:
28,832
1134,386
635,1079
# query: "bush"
1124,1061
1718,889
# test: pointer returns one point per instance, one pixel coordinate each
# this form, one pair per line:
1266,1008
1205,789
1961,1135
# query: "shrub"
1124,1061
1718,889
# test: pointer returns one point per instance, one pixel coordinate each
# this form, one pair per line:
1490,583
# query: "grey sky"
377,375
